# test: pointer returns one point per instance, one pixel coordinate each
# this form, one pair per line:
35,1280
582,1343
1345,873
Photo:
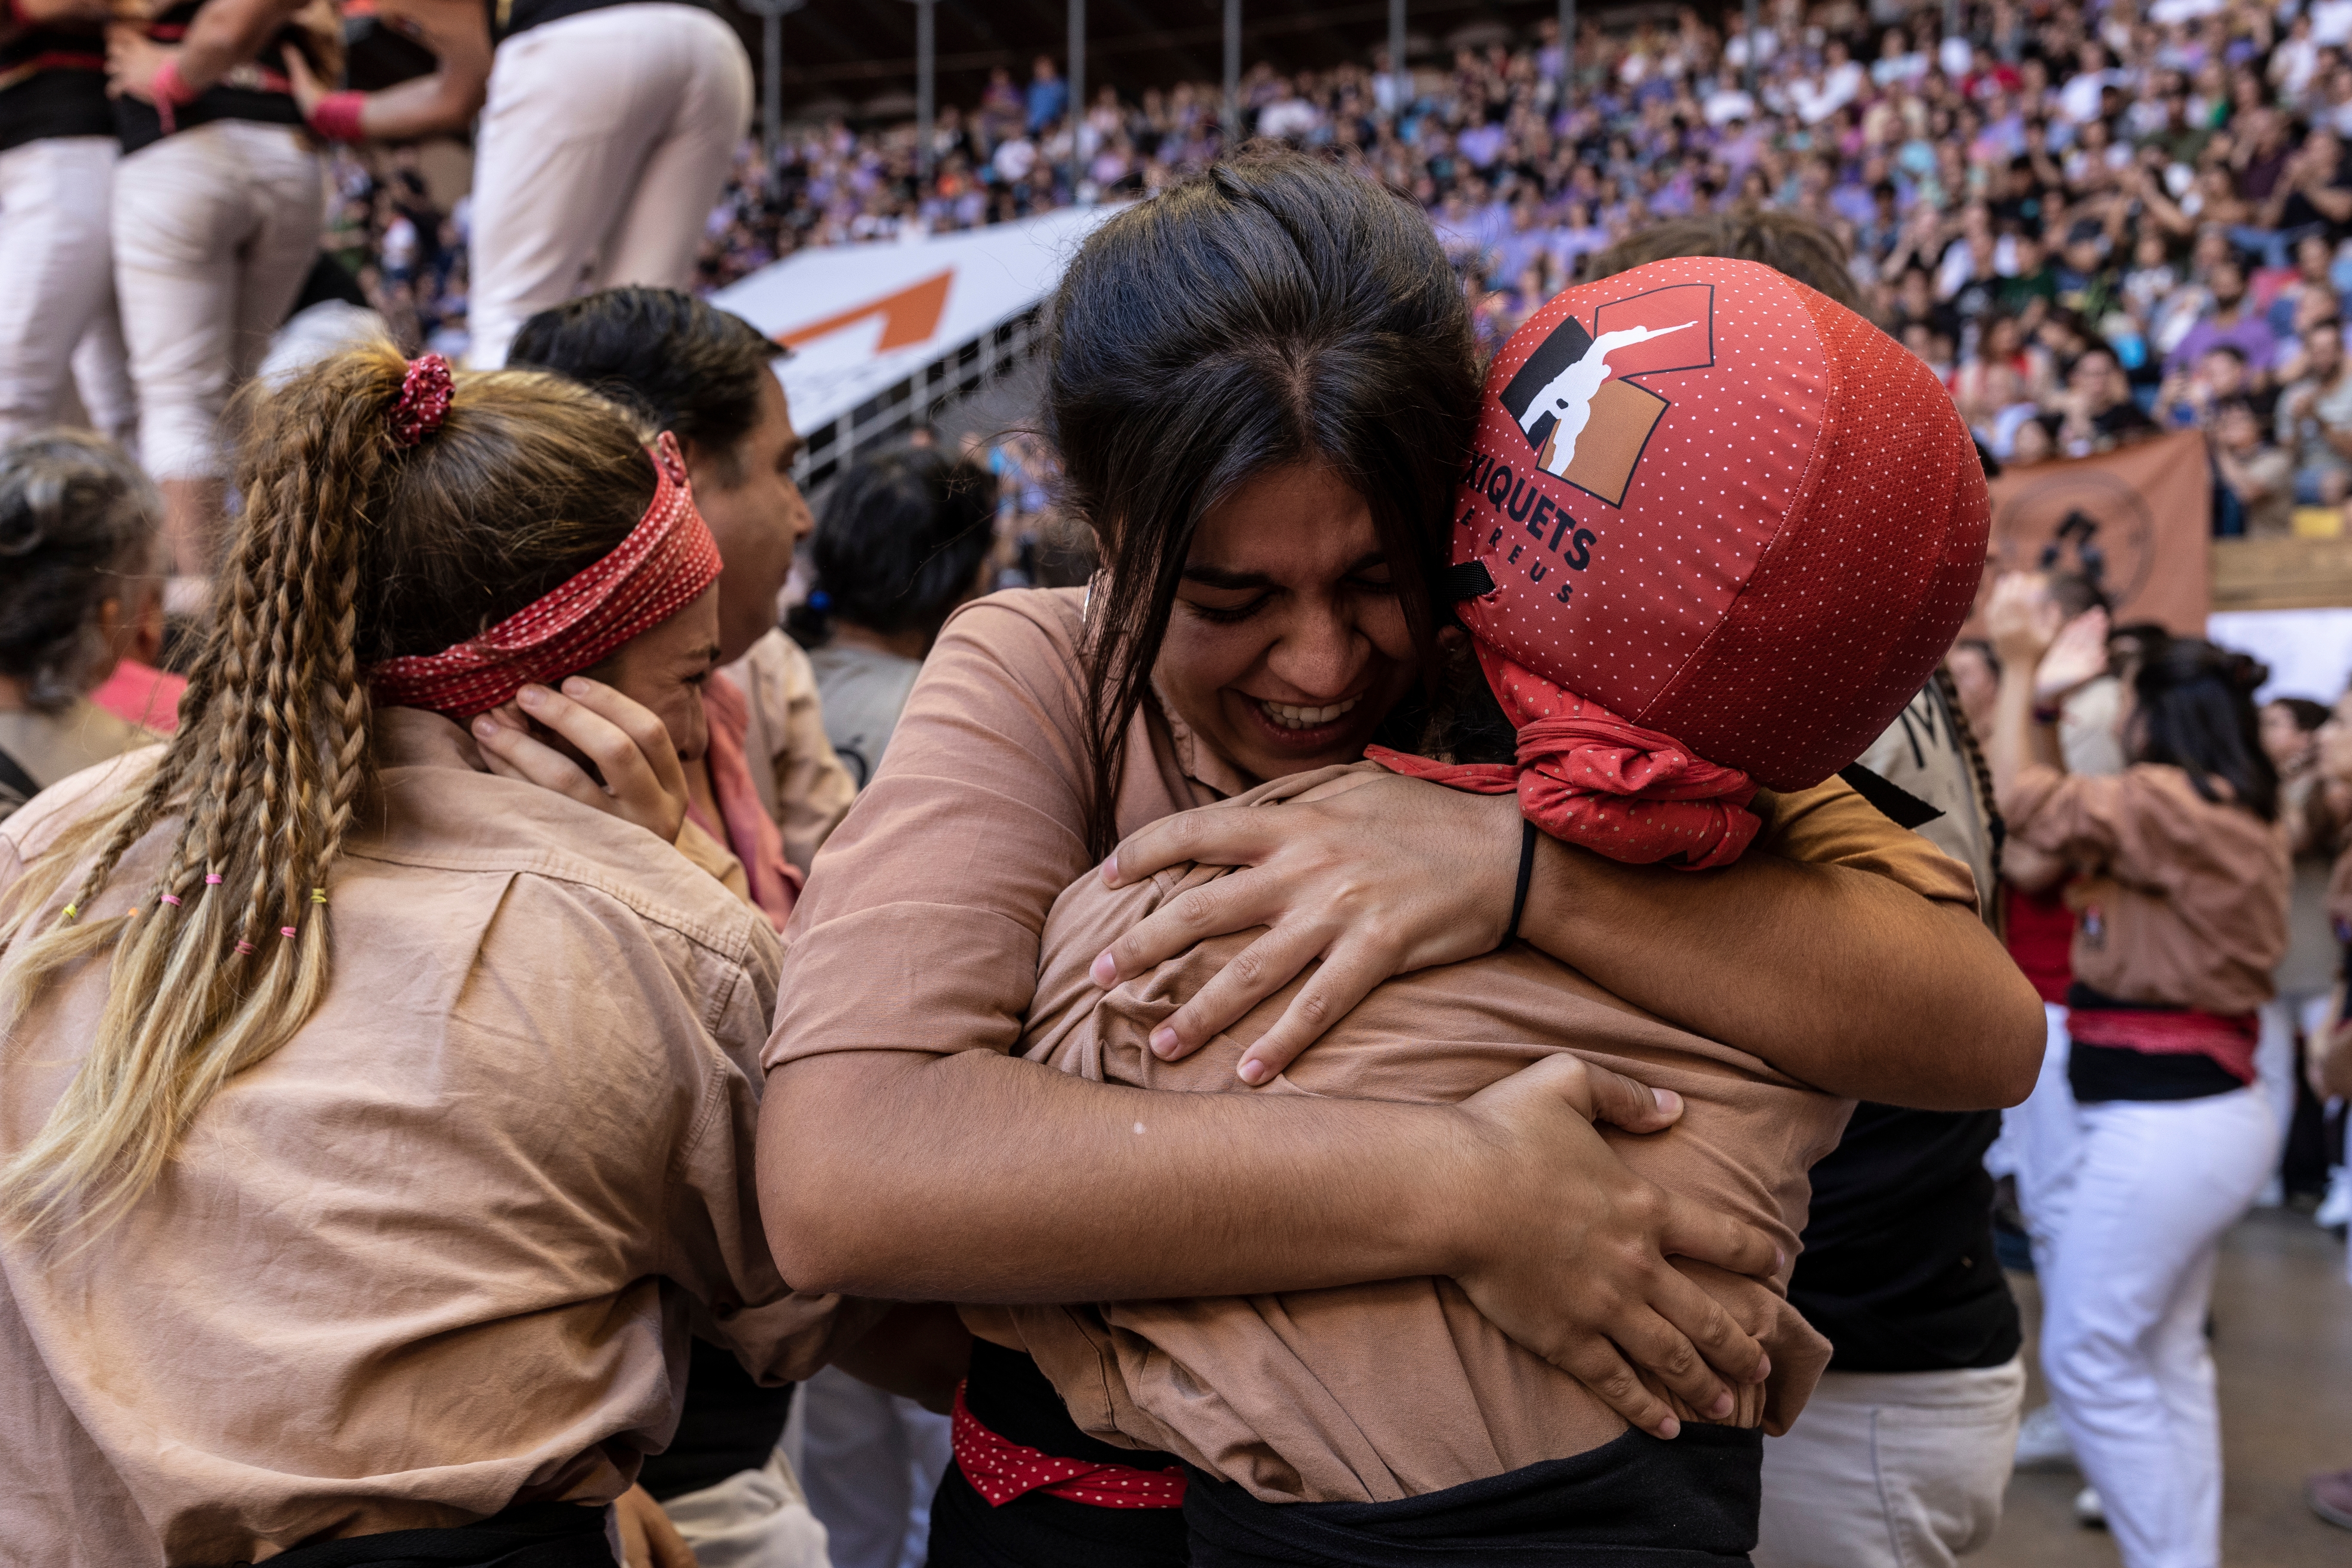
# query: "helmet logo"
1574,399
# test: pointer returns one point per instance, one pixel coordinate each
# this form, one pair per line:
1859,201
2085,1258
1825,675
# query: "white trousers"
872,1460
2134,1231
1902,1470
214,229
58,323
604,144
753,1519
2038,1136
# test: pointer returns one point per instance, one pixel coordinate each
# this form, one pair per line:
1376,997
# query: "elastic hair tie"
318,895
73,911
212,878
244,947
820,601
173,899
424,394
285,931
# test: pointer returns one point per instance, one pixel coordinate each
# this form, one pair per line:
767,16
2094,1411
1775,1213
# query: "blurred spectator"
2256,481
80,532
2315,419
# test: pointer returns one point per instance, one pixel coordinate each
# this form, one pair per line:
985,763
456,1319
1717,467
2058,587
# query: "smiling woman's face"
1286,645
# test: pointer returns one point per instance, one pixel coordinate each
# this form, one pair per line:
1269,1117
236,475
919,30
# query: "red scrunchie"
424,394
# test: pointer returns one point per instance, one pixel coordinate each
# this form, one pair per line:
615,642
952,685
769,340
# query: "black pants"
1636,1502
528,1535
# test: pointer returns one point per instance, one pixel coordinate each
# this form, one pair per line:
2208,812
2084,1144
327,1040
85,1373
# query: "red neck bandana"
664,564
1586,776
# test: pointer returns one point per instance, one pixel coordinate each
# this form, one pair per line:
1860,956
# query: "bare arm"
1837,976
447,100
1844,979
1003,1180
227,33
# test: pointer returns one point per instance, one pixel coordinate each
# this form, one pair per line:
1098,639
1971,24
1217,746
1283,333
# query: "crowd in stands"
2096,222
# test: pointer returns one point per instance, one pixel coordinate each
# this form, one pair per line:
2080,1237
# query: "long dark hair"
898,547
1273,310
2196,712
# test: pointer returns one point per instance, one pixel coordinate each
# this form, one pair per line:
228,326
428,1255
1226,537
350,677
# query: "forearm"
1845,980
227,33
2017,741
977,1177
445,101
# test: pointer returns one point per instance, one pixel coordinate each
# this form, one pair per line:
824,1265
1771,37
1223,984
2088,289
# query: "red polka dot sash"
1000,1469
664,564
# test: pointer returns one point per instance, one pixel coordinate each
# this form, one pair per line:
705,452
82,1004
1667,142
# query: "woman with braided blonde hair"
372,1124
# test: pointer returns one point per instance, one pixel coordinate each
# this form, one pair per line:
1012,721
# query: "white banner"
859,318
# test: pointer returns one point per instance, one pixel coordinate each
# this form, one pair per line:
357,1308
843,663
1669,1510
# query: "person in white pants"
605,144
59,331
2181,919
217,212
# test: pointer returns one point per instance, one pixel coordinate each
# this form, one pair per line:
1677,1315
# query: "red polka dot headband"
664,564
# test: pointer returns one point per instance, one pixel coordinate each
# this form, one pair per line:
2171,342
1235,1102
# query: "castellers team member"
1672,709
216,221
603,146
1263,390
2180,918
58,150
372,1128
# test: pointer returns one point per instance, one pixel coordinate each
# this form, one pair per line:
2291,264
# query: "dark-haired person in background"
2181,921
1909,1434
705,375
902,542
80,589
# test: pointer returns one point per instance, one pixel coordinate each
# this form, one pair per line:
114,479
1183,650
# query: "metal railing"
886,419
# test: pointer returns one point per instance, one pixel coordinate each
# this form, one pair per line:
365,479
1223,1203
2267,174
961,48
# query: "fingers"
1208,835
1656,1345
1701,1325
1261,969
1345,978
1223,904
628,743
513,753
1595,1364
1690,1230
1624,1102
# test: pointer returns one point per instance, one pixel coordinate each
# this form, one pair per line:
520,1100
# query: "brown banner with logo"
2139,518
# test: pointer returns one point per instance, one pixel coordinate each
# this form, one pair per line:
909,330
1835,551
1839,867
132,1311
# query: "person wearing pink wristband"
216,211
444,99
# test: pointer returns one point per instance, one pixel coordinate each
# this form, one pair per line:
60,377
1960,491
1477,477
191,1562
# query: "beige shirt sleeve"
918,927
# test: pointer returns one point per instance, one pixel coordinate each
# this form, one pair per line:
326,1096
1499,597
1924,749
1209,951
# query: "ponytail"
218,965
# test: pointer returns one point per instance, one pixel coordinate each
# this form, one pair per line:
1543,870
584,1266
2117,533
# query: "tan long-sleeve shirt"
440,1252
2184,901
1371,1392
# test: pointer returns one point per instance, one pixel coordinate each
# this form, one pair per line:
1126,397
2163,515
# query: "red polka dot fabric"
663,566
1731,528
1000,1469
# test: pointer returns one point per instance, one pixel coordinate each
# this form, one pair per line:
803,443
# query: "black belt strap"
528,1535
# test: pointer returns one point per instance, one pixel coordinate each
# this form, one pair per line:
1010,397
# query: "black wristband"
1526,875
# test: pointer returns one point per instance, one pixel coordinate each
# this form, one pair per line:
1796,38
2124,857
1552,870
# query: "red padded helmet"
1722,506
1721,509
